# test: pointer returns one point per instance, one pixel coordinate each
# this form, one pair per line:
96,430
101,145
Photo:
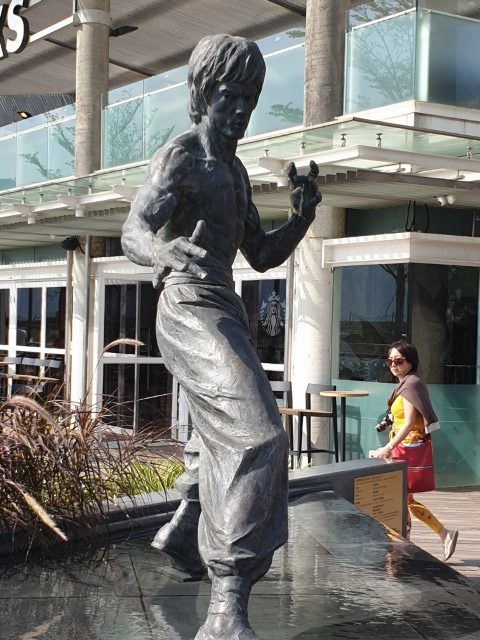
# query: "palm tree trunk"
324,60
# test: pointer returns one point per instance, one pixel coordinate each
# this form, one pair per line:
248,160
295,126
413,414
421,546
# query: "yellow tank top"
398,414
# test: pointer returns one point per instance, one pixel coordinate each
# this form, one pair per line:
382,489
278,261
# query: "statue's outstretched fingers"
158,277
186,247
291,171
199,232
296,198
314,170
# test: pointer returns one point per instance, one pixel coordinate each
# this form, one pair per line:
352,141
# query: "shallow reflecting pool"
339,577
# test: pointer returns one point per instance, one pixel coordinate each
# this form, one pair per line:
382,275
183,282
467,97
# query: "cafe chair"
282,390
307,413
38,374
4,375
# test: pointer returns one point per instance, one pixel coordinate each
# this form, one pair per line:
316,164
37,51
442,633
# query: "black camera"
385,423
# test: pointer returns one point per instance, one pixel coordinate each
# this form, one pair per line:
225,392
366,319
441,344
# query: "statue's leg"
178,539
243,471
227,612
234,541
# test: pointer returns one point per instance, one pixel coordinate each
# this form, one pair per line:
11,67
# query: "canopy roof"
363,164
167,31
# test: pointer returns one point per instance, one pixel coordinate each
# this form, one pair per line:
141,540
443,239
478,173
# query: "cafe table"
343,395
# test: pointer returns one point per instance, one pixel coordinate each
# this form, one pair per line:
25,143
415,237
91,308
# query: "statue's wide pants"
239,451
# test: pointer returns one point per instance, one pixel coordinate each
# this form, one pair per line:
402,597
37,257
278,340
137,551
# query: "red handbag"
419,459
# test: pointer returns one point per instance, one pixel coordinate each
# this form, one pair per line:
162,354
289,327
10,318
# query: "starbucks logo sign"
272,314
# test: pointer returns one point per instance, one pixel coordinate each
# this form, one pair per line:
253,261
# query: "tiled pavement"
456,509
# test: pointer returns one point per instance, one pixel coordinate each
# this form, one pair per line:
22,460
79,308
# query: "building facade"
382,95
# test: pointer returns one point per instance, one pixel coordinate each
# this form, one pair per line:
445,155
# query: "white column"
92,74
79,328
92,61
312,315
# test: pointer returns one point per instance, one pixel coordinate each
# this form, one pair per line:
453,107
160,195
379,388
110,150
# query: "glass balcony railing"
140,118
400,50
38,149
380,62
136,122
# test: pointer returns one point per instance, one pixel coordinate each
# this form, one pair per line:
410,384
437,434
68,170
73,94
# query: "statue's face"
231,106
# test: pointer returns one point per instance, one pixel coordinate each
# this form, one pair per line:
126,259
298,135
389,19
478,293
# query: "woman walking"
413,421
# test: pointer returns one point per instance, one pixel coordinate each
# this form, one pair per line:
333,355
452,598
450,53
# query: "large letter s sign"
9,16
3,15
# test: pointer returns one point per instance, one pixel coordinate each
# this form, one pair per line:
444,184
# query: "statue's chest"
220,187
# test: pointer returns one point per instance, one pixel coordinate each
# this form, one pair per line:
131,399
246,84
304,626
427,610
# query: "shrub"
57,472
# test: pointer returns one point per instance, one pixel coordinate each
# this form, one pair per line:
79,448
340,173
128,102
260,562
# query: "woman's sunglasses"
396,361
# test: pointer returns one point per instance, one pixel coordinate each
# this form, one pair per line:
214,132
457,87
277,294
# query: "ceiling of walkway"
167,31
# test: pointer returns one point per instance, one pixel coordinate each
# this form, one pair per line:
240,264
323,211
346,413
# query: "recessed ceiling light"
24,114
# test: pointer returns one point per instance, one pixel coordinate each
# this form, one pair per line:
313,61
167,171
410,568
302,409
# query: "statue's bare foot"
227,614
178,540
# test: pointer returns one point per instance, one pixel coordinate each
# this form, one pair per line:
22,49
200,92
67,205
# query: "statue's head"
221,58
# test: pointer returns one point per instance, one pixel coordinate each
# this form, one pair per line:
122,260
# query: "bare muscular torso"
206,189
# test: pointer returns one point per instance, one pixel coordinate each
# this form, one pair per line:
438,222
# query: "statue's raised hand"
305,195
177,255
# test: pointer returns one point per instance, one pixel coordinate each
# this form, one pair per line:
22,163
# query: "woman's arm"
410,418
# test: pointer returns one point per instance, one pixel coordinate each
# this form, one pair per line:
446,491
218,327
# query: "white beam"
399,248
44,33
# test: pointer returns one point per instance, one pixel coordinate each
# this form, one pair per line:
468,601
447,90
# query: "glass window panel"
283,40
4,315
155,399
22,386
29,309
120,315
444,311
113,247
55,329
449,48
118,395
148,316
32,159
3,380
55,389
61,149
380,67
133,90
32,123
265,304
281,102
8,162
167,79
166,116
62,112
441,220
373,313
123,133
468,8
376,9
16,256
52,252
8,130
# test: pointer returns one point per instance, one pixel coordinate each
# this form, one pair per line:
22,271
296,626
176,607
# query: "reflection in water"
341,576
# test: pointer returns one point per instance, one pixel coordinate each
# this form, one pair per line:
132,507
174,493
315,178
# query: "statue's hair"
221,58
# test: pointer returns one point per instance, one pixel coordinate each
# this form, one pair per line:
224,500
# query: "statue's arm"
265,250
138,233
151,208
155,203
